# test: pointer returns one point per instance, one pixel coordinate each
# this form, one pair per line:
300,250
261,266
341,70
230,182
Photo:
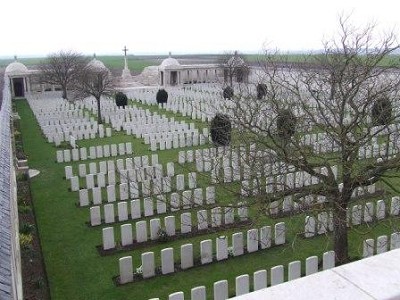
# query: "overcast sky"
39,27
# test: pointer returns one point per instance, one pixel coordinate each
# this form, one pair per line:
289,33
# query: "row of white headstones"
257,239
169,228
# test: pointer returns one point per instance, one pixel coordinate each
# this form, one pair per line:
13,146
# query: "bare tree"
94,80
61,69
332,95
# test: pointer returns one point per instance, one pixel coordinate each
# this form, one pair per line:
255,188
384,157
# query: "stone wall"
10,259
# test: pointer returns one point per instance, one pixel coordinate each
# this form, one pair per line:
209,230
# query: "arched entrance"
18,87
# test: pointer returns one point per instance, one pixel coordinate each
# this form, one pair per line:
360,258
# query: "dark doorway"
174,77
162,77
18,84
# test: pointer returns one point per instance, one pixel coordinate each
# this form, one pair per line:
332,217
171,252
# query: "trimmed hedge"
286,123
261,90
382,112
221,129
162,96
121,99
228,93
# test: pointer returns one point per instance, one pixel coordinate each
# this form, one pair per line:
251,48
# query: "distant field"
138,63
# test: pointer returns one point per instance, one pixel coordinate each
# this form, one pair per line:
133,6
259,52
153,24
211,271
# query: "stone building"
20,78
171,73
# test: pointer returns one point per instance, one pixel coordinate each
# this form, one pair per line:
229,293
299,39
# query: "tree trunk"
340,232
99,120
64,93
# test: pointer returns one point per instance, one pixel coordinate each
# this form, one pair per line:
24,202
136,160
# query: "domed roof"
236,61
169,62
97,64
16,68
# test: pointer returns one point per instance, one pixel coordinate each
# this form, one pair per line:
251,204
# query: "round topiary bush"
121,99
261,90
381,112
162,96
228,93
286,123
221,129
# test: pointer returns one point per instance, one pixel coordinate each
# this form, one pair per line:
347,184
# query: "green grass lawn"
76,270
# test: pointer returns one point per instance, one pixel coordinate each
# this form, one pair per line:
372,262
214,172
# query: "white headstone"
126,235
198,197
186,222
111,193
202,220
95,218
187,199
210,195
82,170
252,240
221,290
309,228
74,183
395,240
277,275
60,156
83,197
181,157
380,209
328,260
170,169
206,253
97,197
216,217
237,244
242,284
125,269
106,150
198,293
167,261
170,225
180,182
148,207
382,244
122,211
176,296
186,256
395,206
260,280
141,231
92,168
109,215
83,153
68,172
123,191
89,181
265,237
280,233
175,202
161,204
294,270
356,214
148,265
222,247
368,248
368,212
67,155
192,180
311,265
108,238
155,226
